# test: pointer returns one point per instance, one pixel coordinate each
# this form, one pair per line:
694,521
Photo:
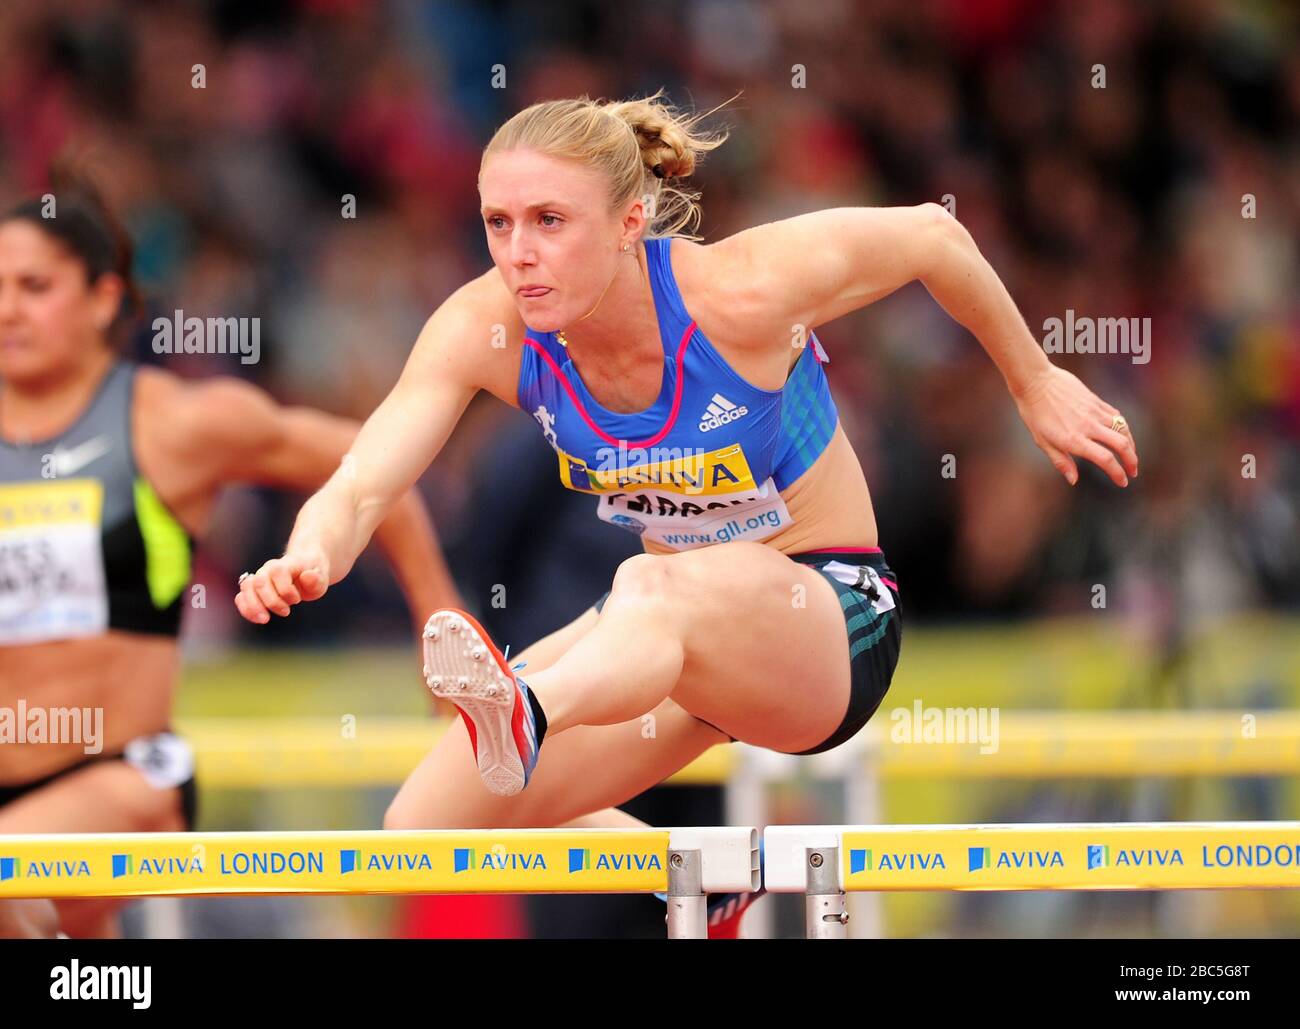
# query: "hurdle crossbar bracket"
786,857
688,915
728,856
825,908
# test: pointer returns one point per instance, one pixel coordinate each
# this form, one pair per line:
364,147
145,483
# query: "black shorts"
874,626
159,759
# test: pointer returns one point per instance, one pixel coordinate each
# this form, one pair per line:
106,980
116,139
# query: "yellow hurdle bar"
283,753
1071,856
433,861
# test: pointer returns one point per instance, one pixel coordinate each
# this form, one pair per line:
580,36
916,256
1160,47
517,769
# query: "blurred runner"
108,474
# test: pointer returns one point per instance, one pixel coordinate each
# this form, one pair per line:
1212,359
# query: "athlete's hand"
1065,417
281,583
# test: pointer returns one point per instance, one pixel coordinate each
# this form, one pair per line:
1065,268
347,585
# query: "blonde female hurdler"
663,374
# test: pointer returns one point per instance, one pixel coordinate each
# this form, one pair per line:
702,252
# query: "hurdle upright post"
827,917
863,805
687,902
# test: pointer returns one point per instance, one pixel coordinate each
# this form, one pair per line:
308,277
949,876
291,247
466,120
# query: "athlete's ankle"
539,716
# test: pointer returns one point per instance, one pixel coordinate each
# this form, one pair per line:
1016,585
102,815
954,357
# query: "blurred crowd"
1112,158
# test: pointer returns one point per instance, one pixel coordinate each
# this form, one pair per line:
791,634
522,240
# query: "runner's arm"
811,269
393,448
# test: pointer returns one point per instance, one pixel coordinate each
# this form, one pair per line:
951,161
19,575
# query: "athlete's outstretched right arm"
393,448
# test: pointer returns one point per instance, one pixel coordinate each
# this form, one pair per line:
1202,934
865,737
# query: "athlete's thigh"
581,770
108,796
767,650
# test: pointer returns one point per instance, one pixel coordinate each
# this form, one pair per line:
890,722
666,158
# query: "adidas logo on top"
719,412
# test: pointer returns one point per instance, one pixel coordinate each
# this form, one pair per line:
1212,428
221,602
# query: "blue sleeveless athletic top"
707,462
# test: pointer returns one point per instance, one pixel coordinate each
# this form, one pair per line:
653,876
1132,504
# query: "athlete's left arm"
250,438
813,268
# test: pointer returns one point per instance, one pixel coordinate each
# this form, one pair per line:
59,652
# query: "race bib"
680,498
51,561
685,522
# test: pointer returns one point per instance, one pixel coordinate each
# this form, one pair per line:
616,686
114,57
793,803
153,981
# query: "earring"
626,247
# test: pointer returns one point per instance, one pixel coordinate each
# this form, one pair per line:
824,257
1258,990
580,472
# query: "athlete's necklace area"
559,333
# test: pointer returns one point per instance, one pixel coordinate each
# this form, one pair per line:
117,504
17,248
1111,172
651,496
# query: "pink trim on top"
847,550
819,352
890,583
577,403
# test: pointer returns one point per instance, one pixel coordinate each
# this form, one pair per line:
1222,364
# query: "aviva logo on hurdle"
861,860
394,861
16,868
979,859
125,864
580,861
1099,857
466,859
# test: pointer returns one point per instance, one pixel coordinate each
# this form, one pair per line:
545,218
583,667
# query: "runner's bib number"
51,561
688,521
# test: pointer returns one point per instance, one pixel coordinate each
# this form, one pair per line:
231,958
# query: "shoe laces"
515,667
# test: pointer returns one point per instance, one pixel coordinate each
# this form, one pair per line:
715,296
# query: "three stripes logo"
1098,856
720,412
579,859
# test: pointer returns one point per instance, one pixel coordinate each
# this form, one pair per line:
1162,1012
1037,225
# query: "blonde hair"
638,145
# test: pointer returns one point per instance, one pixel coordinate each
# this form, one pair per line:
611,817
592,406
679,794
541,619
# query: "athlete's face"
50,316
552,234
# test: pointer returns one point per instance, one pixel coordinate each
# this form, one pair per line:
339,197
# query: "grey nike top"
86,545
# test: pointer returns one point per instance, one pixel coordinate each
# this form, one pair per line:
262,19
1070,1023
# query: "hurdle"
1030,744
685,863
825,863
243,753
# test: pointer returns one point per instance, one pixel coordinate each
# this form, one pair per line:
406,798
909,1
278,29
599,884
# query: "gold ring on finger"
1118,424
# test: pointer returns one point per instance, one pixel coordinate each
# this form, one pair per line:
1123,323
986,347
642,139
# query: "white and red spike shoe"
461,664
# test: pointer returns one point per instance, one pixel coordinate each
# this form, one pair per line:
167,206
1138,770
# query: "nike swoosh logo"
73,459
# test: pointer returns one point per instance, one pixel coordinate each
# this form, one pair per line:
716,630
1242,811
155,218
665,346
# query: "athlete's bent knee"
642,575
